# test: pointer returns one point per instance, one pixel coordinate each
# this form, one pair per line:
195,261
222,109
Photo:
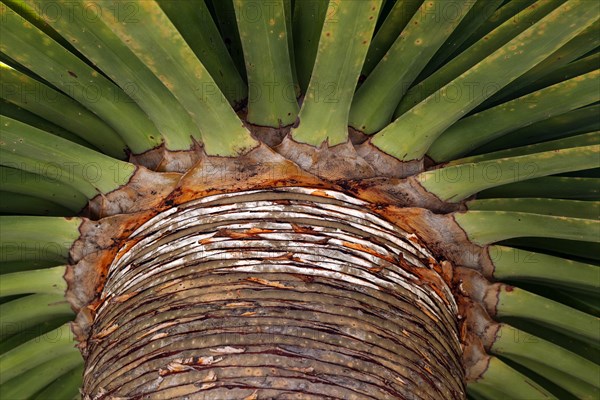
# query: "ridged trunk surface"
292,293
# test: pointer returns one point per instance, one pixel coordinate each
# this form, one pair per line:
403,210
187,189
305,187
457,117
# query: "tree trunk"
290,293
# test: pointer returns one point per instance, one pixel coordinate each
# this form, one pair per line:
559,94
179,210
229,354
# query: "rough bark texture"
285,293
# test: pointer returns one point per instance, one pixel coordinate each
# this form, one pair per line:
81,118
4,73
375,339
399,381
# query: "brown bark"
274,294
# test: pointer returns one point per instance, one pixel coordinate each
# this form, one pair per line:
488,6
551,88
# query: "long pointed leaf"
44,101
27,385
39,53
478,14
16,203
394,23
263,32
37,238
515,344
342,49
35,151
556,207
586,139
308,19
455,183
574,386
41,186
225,18
15,112
47,280
375,101
193,20
93,38
64,387
582,251
499,378
578,121
509,10
580,45
411,135
56,343
478,129
182,73
26,312
482,48
518,303
521,265
555,187
485,227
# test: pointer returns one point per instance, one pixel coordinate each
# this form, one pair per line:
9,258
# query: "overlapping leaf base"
292,293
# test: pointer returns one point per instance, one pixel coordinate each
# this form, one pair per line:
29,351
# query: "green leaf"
515,344
7,267
575,122
20,114
20,360
556,66
308,19
579,250
485,45
43,186
37,332
509,10
512,264
35,238
32,15
33,150
481,11
555,187
457,182
410,136
95,40
499,378
399,16
485,227
47,281
375,101
194,22
16,203
272,91
586,139
584,301
27,385
576,387
26,312
32,48
64,387
46,102
556,207
225,18
342,49
175,64
519,303
478,129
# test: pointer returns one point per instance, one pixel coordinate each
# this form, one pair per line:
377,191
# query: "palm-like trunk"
293,293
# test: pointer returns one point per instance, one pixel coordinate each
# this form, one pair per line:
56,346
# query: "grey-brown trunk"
287,294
